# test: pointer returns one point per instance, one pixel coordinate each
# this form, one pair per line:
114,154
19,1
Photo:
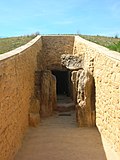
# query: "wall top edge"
19,49
56,35
101,49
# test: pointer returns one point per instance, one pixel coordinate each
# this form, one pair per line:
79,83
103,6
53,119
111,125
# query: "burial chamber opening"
65,102
62,82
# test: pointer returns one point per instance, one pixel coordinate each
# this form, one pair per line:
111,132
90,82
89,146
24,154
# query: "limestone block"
74,85
53,95
34,119
85,99
47,94
34,105
72,62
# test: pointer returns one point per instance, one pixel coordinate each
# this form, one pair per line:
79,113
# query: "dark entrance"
62,80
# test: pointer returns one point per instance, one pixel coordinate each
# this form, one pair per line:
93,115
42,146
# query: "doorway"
63,91
62,82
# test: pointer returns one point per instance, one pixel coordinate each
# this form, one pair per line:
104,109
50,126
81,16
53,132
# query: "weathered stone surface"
53,95
104,65
54,47
34,112
34,105
74,82
17,70
47,94
72,62
34,119
18,85
85,99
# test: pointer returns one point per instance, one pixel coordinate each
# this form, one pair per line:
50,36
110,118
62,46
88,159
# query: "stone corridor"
58,138
30,77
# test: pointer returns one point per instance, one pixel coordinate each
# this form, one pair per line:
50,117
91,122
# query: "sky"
89,17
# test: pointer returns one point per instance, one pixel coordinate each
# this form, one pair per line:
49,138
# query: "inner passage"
62,82
63,88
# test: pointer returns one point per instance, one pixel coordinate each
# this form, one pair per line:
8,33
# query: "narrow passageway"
64,103
59,138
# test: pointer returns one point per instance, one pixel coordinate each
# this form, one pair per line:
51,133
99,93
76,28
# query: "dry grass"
109,42
8,44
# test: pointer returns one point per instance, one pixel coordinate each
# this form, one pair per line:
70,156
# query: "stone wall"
104,66
17,83
25,92
54,47
47,93
50,59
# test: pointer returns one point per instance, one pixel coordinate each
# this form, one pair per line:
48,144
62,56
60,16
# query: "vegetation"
109,42
8,44
115,47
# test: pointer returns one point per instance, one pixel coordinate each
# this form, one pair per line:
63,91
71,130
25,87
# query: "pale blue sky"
92,17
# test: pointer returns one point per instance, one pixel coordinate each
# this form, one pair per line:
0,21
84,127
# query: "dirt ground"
59,138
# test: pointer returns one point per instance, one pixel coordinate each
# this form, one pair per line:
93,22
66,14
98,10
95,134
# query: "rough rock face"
83,89
47,93
34,116
17,70
43,102
21,96
34,119
85,99
74,82
72,62
53,47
